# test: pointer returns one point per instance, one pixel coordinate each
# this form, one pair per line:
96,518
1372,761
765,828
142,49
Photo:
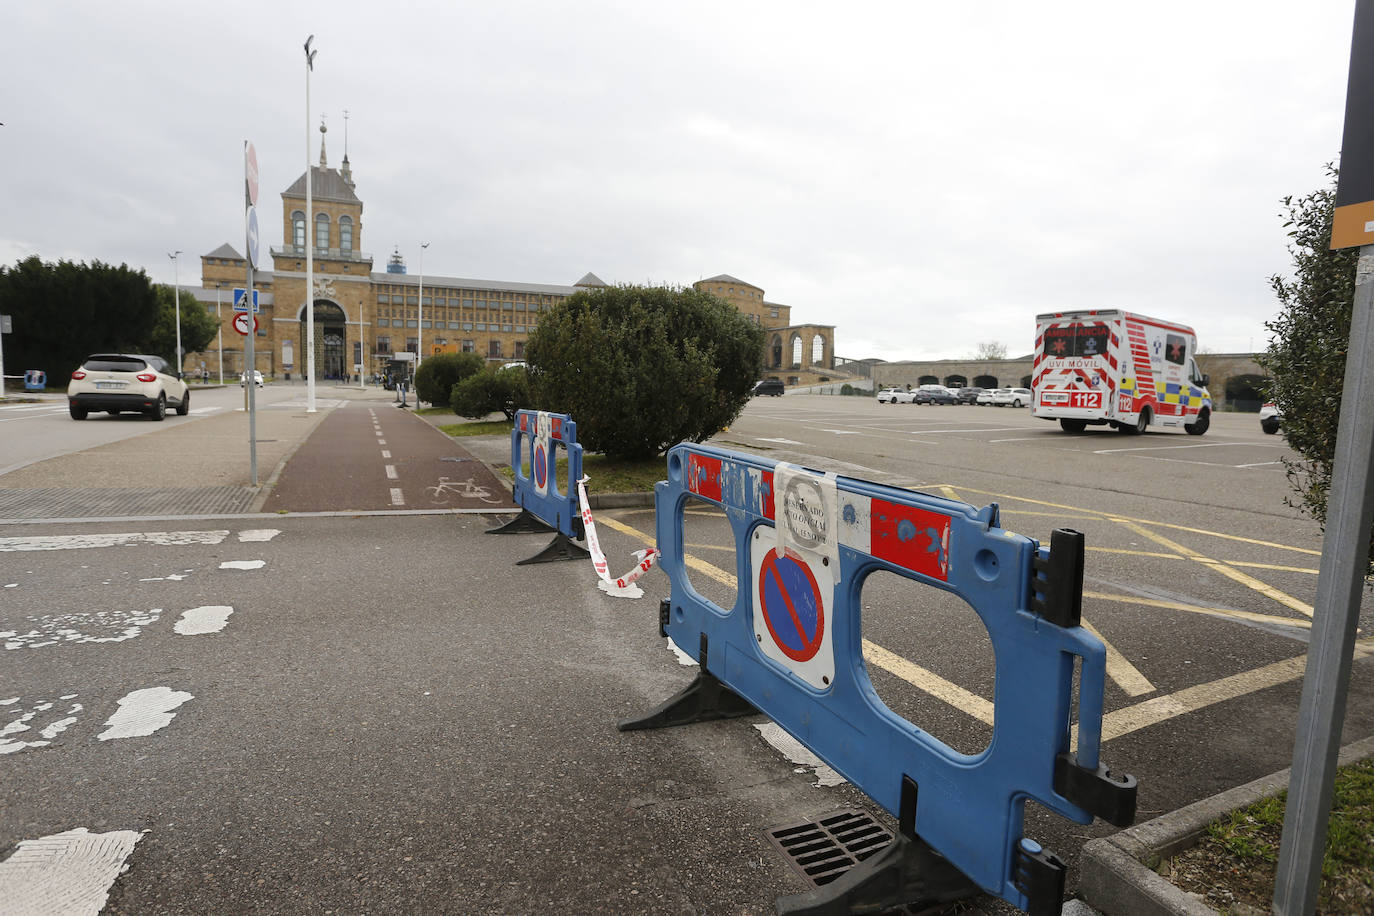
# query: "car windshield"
114,364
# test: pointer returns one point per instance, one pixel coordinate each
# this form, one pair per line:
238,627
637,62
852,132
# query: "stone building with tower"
363,318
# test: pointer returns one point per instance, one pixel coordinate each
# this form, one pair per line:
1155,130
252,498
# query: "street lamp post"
309,245
420,324
176,305
219,326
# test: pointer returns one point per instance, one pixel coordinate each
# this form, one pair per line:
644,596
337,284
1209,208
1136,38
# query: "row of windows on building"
450,325
321,231
465,345
517,305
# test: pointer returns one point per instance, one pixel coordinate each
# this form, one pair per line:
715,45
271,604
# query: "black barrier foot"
908,872
524,523
561,547
703,700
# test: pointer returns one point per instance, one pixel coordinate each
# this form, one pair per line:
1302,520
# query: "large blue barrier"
543,506
792,648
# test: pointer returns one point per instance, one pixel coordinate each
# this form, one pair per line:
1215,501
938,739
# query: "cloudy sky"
925,176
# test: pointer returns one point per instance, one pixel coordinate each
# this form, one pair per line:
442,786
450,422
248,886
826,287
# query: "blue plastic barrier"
35,380
543,507
792,648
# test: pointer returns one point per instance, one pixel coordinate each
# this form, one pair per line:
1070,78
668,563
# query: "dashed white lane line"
381,442
386,453
391,472
143,712
69,873
397,497
258,535
243,564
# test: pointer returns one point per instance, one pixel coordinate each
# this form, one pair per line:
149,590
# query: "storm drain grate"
823,850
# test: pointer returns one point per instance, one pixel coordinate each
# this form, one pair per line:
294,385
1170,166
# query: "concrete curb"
1116,878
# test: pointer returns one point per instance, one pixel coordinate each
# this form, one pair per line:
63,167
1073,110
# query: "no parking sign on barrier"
792,648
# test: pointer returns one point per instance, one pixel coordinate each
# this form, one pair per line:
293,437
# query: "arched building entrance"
330,337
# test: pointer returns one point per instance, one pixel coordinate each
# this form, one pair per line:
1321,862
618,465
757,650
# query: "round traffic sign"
252,237
250,172
792,607
241,320
541,465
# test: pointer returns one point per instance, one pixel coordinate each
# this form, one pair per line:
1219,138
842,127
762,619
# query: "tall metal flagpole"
309,245
176,302
420,324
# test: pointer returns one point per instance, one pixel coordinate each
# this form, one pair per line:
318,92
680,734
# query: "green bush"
643,368
1306,355
506,390
437,375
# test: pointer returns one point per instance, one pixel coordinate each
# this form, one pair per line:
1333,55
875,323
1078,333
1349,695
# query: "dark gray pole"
1345,556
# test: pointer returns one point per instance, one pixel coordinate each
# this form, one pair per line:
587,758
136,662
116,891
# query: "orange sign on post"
1354,219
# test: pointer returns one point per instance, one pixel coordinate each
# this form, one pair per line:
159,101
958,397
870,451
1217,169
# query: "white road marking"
87,541
798,754
381,442
70,873
243,564
838,432
1159,448
386,453
143,712
21,724
683,658
200,620
397,497
391,472
779,441
92,627
173,577
257,535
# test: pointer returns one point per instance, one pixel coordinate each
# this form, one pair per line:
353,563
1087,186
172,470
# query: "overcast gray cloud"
923,176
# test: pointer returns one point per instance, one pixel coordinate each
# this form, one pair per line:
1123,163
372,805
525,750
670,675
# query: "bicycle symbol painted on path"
462,488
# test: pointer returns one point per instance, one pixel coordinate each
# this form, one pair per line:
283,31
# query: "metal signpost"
251,235
6,327
1351,511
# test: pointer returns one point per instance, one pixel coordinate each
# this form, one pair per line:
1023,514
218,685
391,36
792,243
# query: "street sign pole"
4,329
1350,513
250,171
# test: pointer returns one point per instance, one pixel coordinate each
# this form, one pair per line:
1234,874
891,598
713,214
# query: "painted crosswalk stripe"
69,872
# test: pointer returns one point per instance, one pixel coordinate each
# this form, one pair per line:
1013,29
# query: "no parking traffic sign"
241,321
792,620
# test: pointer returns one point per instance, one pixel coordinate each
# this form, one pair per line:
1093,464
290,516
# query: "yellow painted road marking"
951,493
1191,699
1173,556
1137,553
1199,609
1146,521
1248,581
929,682
1123,673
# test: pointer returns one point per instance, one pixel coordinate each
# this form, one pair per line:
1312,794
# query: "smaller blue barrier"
540,435
35,380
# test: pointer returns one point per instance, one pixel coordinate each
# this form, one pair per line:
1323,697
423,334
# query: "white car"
257,378
126,382
896,396
1011,397
985,398
1269,418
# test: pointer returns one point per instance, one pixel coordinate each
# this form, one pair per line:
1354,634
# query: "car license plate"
110,384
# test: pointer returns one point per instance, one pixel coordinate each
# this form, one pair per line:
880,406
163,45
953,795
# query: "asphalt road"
395,718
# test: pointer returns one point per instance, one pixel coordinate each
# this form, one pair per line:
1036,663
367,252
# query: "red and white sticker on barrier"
623,587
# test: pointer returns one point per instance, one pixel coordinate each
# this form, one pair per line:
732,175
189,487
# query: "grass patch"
478,428
608,475
1235,862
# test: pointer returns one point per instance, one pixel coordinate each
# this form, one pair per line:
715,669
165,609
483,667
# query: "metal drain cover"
824,849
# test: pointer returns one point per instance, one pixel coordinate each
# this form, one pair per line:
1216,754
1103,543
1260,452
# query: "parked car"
771,386
986,396
968,395
935,394
1011,397
120,382
257,378
895,396
1269,418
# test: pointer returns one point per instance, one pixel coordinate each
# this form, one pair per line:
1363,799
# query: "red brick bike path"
370,455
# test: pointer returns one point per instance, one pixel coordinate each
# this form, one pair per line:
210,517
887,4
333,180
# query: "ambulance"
1108,367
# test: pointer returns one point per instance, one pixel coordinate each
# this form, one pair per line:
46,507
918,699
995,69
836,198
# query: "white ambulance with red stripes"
1108,367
